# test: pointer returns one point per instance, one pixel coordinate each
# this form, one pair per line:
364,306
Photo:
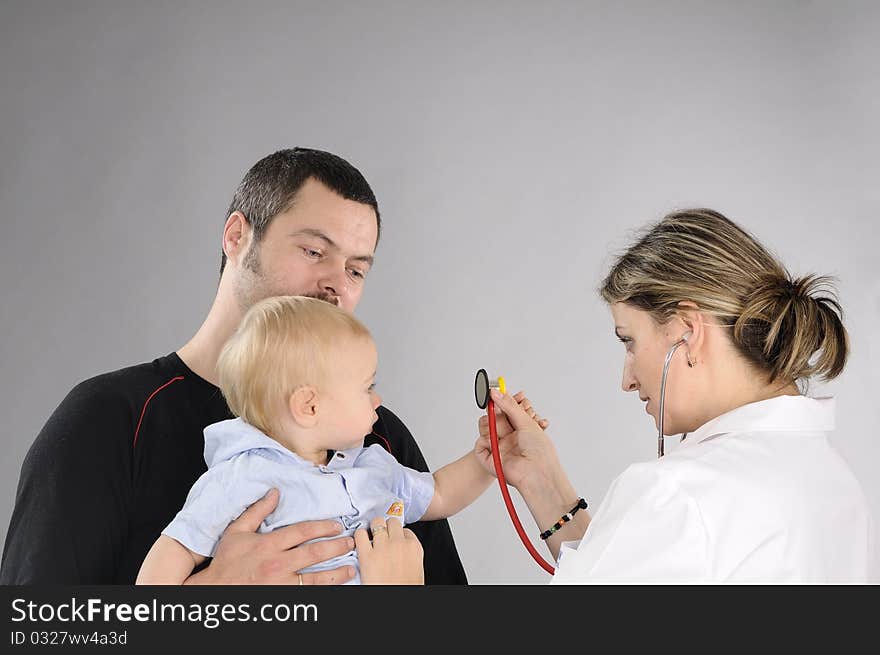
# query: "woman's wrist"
548,488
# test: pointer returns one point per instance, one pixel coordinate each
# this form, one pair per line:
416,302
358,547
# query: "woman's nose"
629,382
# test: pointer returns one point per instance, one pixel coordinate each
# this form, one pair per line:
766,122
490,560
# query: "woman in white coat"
755,493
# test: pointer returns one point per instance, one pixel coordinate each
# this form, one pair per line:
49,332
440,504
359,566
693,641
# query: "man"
115,461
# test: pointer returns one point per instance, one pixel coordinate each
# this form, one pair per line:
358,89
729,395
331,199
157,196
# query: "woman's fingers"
515,414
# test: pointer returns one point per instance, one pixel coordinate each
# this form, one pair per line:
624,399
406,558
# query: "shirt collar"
226,439
780,414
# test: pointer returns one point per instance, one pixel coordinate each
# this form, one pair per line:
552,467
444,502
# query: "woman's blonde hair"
282,343
789,328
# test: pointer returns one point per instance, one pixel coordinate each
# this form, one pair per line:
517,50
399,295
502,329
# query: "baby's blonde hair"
282,343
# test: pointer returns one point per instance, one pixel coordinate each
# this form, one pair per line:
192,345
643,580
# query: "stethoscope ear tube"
660,427
499,472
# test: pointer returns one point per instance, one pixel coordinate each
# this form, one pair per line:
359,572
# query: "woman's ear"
303,406
694,322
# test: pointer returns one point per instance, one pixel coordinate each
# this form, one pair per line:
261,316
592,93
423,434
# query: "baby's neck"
317,457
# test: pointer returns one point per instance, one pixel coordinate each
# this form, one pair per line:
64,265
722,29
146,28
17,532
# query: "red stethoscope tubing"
496,458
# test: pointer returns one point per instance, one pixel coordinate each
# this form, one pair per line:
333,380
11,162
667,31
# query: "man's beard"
256,288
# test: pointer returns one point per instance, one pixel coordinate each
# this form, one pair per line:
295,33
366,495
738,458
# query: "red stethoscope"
484,401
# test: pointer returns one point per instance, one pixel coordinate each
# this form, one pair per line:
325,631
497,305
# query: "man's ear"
303,406
692,320
237,234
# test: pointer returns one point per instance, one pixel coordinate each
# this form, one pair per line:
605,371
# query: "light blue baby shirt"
356,486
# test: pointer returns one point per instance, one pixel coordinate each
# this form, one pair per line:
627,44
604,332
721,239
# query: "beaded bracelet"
565,518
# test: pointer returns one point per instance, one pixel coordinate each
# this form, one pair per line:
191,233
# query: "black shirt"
114,463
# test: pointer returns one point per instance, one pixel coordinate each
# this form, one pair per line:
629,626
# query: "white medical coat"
756,495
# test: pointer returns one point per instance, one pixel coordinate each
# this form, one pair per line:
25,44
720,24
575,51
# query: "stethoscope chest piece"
482,384
481,388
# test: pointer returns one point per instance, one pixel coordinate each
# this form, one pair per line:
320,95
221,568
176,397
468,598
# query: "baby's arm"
169,562
456,486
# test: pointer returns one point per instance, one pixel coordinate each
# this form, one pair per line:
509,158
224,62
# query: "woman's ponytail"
793,328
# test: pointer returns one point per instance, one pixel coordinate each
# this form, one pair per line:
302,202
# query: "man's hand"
244,556
394,556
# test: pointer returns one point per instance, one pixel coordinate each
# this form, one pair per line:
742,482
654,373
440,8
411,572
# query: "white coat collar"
780,414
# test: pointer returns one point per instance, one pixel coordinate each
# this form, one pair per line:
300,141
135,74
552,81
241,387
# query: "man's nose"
333,281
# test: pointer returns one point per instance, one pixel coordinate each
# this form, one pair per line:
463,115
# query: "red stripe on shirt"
144,410
387,445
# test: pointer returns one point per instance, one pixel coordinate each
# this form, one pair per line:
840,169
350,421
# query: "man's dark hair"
270,186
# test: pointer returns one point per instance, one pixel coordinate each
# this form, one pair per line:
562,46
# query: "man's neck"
201,352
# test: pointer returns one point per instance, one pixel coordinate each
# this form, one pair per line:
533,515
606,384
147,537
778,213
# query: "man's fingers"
334,576
379,529
395,528
291,536
317,551
362,541
253,516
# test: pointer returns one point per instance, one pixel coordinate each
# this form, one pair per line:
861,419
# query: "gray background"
512,147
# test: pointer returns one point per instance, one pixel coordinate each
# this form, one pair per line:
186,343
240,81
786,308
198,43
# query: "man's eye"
360,275
371,387
314,254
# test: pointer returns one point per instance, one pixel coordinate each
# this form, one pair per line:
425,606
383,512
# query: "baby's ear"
303,406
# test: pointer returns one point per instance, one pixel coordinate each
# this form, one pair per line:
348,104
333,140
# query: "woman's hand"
394,557
503,425
527,454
